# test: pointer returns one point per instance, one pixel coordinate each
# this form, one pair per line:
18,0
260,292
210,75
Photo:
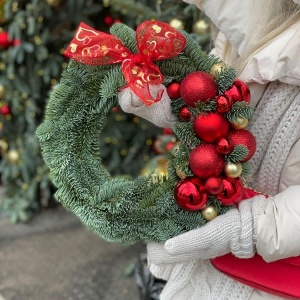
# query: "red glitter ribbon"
155,41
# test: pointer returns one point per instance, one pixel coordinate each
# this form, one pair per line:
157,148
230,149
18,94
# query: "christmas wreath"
206,167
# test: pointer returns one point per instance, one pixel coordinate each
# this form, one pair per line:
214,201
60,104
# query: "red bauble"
232,191
224,146
190,194
169,146
214,185
198,86
205,161
108,20
243,90
211,126
233,94
224,104
173,90
184,114
5,42
168,131
5,110
245,138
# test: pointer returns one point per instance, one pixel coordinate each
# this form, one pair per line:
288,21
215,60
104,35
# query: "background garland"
119,209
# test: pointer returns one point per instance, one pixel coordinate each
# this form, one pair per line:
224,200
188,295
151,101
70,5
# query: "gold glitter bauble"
201,27
209,213
233,170
13,156
240,123
177,24
217,69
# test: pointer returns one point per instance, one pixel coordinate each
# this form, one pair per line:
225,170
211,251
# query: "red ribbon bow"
155,41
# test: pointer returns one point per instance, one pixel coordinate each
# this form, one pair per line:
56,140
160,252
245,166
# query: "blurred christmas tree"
33,36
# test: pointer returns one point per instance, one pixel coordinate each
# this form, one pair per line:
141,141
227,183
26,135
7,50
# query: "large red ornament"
5,110
245,138
5,42
190,194
224,104
232,191
214,185
198,86
243,90
224,146
184,114
173,90
205,161
211,126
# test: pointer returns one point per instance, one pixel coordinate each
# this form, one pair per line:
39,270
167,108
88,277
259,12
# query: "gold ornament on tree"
2,91
240,123
217,69
157,165
233,170
53,3
209,213
177,24
13,156
3,146
181,174
201,27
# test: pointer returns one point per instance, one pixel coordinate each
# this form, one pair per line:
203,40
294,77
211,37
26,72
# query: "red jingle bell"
214,185
184,114
190,194
224,146
198,86
211,127
243,90
224,104
232,191
205,161
173,90
243,137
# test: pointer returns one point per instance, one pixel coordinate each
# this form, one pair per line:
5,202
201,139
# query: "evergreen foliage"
118,209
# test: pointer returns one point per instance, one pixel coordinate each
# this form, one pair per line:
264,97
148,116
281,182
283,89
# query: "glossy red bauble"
245,138
198,86
5,110
211,126
224,146
224,104
184,114
205,161
5,42
243,90
232,191
214,185
190,194
233,94
173,90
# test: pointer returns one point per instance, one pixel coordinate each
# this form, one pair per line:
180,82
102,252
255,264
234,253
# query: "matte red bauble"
173,90
211,126
233,94
198,86
184,114
243,90
224,104
245,138
224,146
232,191
190,194
214,185
205,161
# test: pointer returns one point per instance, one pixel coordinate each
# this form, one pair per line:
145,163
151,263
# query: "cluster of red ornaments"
212,174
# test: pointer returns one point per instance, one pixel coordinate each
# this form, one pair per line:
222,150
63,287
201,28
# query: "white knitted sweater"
276,125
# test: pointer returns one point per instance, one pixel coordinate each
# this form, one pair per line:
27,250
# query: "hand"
158,113
235,232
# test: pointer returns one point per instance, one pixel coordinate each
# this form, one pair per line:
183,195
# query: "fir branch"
240,109
203,107
239,153
246,169
225,80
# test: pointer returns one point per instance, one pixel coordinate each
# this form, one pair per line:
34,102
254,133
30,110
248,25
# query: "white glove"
234,232
158,113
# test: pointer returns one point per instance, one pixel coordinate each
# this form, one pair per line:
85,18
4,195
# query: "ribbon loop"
155,41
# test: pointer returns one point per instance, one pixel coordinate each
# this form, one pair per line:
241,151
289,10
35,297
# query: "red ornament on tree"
224,104
184,114
5,110
169,146
5,42
233,94
205,161
214,185
243,90
198,86
232,191
211,127
173,90
245,138
108,20
168,131
224,146
190,194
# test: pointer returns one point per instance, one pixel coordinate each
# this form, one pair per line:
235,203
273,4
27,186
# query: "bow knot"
155,41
